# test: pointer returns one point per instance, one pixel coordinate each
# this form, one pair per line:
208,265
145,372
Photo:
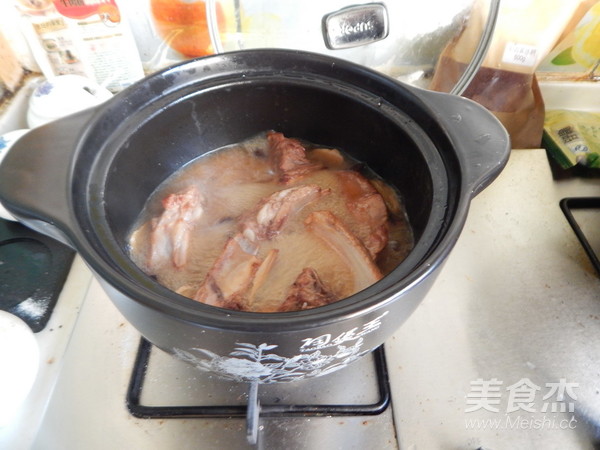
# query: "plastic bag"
577,56
526,31
573,138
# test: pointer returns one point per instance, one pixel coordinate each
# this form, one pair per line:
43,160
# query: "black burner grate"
136,384
572,203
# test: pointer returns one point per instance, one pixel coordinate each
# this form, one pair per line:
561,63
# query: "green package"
573,137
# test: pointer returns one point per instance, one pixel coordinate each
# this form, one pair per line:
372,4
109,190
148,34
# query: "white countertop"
517,299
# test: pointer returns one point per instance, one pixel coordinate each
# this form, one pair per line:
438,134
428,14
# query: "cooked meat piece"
211,294
231,276
307,292
390,198
238,273
366,204
326,226
170,233
288,158
262,273
268,217
331,158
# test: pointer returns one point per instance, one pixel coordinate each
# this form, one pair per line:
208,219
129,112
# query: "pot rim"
155,296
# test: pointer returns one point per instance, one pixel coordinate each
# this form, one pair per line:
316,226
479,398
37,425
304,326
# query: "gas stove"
526,308
502,353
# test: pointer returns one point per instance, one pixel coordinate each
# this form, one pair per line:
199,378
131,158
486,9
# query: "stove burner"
33,269
568,204
252,410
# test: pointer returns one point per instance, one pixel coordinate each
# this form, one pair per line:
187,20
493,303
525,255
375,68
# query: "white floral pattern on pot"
257,363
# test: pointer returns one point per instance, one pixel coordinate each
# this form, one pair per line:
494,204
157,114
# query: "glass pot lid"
402,39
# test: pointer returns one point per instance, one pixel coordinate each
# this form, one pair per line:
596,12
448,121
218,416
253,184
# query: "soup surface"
271,224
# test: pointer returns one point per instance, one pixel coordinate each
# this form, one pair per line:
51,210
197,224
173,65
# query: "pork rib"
308,291
170,233
326,226
238,273
268,217
231,275
367,206
288,158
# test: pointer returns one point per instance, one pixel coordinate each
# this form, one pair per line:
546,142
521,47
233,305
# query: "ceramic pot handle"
34,176
482,143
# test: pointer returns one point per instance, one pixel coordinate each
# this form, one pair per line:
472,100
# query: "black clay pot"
85,178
